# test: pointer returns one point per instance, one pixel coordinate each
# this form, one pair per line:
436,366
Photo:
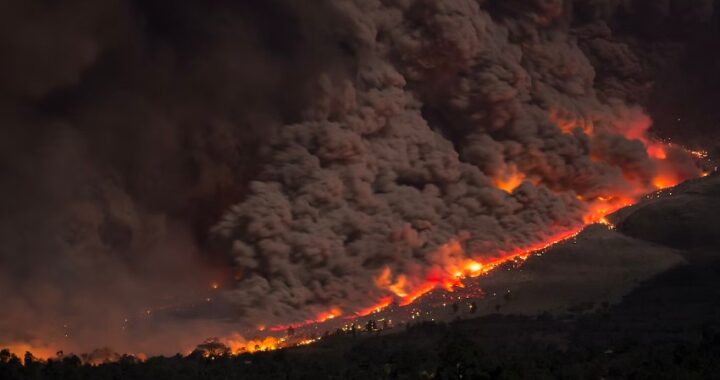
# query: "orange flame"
322,317
238,345
384,302
509,181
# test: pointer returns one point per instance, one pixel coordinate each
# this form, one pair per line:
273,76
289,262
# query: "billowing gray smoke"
127,127
447,98
350,136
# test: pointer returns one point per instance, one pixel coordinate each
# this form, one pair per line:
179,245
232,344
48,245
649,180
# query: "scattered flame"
699,154
322,317
238,345
382,304
403,289
568,122
417,293
384,280
305,342
599,208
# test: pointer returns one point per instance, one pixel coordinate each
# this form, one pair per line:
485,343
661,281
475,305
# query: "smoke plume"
464,122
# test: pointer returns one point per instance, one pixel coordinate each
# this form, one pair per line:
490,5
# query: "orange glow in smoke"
460,264
405,288
656,151
567,122
509,182
662,182
38,352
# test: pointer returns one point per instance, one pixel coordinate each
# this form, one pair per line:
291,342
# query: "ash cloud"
148,147
127,128
402,157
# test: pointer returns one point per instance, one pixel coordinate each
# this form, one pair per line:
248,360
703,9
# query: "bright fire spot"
604,221
239,345
384,280
474,267
305,342
603,206
663,182
509,181
215,285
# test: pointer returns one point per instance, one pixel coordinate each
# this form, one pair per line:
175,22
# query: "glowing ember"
699,154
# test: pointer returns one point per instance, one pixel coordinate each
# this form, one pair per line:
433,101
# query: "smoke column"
460,134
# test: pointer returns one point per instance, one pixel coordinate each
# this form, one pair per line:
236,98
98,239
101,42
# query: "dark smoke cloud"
127,127
662,54
335,138
447,97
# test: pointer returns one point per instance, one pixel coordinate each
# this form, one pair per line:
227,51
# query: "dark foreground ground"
668,327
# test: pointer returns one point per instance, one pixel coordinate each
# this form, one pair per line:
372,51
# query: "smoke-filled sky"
295,151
